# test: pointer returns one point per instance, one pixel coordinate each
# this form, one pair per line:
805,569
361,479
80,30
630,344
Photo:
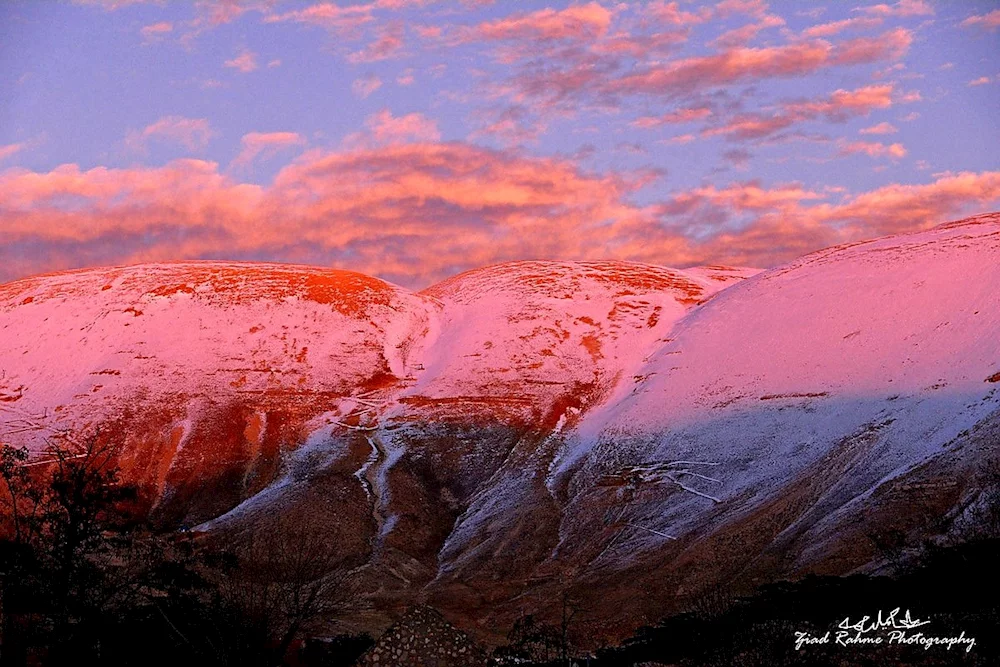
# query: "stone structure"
423,638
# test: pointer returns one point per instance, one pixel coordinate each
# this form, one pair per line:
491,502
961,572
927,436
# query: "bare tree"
61,520
280,581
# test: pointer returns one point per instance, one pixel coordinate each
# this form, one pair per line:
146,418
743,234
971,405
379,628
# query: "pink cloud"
670,13
891,45
844,103
74,200
512,125
387,45
738,157
628,52
741,64
989,21
872,149
673,117
156,31
901,8
730,66
749,196
898,208
10,150
211,14
836,27
265,145
329,16
727,8
881,128
366,85
383,129
192,133
405,78
346,20
743,35
752,126
784,227
245,61
409,211
417,212
837,107
111,5
577,22
981,81
220,12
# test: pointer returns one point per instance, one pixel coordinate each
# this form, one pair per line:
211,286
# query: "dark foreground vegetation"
950,588
82,581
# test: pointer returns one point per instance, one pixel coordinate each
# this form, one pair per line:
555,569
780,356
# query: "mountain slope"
628,435
794,423
209,371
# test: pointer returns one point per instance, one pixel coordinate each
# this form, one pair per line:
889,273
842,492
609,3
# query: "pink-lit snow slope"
902,315
839,372
206,372
516,337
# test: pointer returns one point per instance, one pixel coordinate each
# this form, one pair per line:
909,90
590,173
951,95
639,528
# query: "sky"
415,139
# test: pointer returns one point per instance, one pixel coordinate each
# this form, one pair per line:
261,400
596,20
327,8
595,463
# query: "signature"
883,628
890,621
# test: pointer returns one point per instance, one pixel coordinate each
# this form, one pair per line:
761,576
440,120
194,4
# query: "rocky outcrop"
423,638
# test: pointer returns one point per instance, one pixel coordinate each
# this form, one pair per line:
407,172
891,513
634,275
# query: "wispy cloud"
388,44
383,128
683,115
872,149
746,65
265,145
113,5
329,16
366,85
578,22
9,150
901,8
245,61
836,27
192,133
989,21
837,107
155,31
880,128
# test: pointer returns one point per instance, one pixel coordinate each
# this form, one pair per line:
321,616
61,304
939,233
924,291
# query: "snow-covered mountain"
210,372
630,433
797,422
